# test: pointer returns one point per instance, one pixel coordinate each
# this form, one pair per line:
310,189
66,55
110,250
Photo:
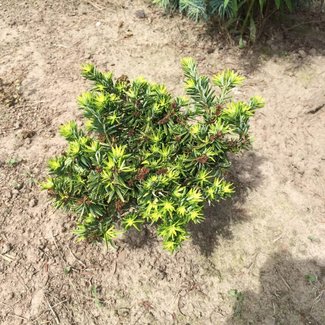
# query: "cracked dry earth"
257,259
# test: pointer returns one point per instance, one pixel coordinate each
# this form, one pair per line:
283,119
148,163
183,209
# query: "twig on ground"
62,45
95,5
42,313
115,263
59,252
7,257
78,294
317,299
284,281
278,238
78,260
22,281
252,264
114,268
53,312
137,320
315,110
305,23
178,305
17,316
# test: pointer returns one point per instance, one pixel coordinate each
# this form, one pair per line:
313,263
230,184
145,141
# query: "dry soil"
257,259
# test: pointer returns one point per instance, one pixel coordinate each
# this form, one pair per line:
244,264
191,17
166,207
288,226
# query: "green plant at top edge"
241,17
146,157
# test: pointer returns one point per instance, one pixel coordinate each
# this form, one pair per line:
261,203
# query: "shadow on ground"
292,292
138,239
245,174
302,33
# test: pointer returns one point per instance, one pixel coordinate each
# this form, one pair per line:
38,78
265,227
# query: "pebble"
14,193
140,14
36,171
302,53
7,247
274,47
32,202
313,52
27,134
7,195
210,50
17,125
124,312
19,186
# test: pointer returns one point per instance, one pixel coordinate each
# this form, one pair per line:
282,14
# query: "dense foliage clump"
240,16
146,157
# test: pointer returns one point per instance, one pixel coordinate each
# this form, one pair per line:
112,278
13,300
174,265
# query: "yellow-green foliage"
145,157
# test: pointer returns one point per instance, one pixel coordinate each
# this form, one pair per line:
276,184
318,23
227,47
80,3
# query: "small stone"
302,53
19,137
17,125
269,321
313,52
274,47
140,14
19,186
27,134
36,171
98,24
210,50
7,247
32,202
7,195
123,312
14,192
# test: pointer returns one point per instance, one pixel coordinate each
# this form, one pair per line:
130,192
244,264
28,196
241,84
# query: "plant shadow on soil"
303,33
135,239
291,292
245,175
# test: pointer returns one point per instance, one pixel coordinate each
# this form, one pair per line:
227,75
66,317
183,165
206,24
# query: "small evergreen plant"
146,157
240,16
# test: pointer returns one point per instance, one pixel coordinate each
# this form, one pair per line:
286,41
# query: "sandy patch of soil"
267,242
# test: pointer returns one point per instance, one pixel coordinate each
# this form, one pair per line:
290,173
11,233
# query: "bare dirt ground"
257,259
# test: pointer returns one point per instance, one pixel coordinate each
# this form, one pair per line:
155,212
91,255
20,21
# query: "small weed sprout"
311,278
13,162
239,297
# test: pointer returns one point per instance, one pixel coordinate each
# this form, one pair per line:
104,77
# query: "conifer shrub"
239,16
146,157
